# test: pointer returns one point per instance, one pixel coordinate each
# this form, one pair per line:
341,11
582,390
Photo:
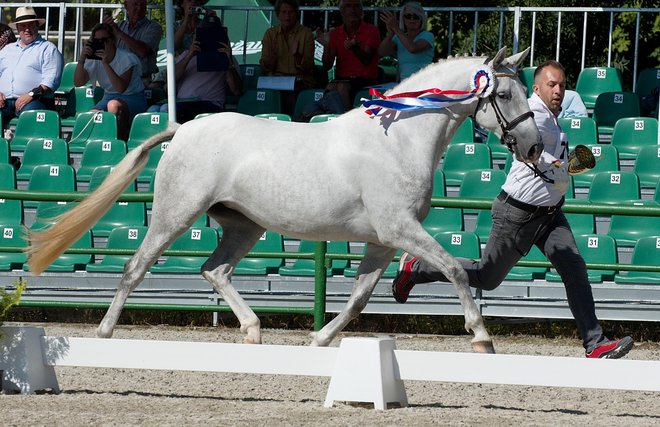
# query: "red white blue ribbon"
481,84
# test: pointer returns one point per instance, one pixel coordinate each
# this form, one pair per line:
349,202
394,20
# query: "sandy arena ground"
104,397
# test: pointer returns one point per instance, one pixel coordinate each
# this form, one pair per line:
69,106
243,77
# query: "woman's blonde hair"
417,9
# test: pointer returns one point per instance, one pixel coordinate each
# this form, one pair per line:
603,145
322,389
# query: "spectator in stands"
408,39
202,91
117,71
6,35
288,50
572,105
30,68
528,212
354,46
139,35
184,30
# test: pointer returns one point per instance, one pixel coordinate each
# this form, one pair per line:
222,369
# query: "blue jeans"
9,110
512,235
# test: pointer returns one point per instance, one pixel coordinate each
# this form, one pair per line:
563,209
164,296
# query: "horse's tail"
45,246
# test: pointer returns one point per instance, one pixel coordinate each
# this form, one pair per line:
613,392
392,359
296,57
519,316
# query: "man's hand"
560,175
22,101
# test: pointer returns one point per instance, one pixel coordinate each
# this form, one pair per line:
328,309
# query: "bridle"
507,138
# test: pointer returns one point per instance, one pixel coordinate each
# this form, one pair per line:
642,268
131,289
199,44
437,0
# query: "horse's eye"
504,95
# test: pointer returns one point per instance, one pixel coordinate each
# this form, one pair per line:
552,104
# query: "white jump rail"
368,370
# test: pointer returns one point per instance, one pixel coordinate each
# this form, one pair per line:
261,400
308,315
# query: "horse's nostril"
535,152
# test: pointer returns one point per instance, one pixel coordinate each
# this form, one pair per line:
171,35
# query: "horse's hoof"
483,347
102,334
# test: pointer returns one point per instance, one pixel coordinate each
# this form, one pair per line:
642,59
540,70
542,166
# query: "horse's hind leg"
238,237
376,259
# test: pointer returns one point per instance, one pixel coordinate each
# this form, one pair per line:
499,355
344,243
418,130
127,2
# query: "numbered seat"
612,106
632,133
11,210
47,213
443,219
628,229
483,225
648,80
647,166
42,151
306,97
80,100
596,80
614,187
306,267
195,239
464,157
269,242
66,81
275,116
121,214
4,150
144,126
481,184
250,74
13,236
35,124
595,249
100,152
91,125
498,151
155,154
120,238
51,178
100,173
521,273
579,130
646,252
259,101
581,223
464,133
464,244
439,189
607,160
154,95
526,75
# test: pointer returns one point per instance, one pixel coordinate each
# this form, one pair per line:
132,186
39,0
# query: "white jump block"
365,371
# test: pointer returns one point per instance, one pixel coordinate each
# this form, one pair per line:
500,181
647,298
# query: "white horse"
355,178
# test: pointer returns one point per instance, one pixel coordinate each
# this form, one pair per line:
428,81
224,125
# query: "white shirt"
122,62
521,182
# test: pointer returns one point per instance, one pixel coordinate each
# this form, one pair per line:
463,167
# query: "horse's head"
505,110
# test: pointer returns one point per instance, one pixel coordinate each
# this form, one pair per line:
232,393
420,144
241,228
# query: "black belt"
504,197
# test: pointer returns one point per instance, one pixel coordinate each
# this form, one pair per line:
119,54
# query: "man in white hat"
30,68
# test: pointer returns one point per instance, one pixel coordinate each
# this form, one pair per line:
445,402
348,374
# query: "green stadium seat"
306,97
306,267
42,151
519,273
484,184
80,100
119,238
595,249
66,81
439,189
269,242
498,150
464,157
275,116
35,124
13,236
647,166
646,252
596,80
483,225
144,126
628,229
614,187
464,244
250,74
581,223
51,178
390,271
100,173
65,262
259,101
154,95
11,210
526,75
5,156
443,219
464,133
320,118
195,239
155,154
362,93
612,106
121,214
632,133
579,130
47,212
607,160
92,125
648,80
100,152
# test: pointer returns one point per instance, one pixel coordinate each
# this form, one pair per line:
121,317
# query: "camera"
97,44
199,11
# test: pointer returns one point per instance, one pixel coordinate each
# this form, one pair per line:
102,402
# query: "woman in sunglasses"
408,39
117,71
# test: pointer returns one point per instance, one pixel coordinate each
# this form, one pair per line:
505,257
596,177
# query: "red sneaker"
612,349
402,284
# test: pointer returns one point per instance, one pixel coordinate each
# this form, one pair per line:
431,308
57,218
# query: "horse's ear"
499,57
517,59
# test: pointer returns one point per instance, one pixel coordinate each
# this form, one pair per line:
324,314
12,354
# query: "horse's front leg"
375,261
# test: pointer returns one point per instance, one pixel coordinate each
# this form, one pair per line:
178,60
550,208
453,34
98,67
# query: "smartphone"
96,45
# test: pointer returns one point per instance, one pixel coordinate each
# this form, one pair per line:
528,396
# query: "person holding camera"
117,71
29,68
184,29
